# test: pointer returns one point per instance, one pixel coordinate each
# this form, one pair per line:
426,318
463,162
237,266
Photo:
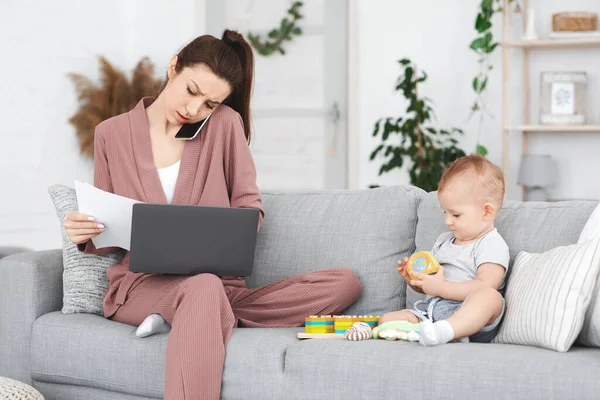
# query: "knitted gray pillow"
84,276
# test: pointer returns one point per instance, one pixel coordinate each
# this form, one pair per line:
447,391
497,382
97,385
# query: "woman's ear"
489,211
172,71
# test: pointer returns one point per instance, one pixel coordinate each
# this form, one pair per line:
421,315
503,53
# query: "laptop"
189,240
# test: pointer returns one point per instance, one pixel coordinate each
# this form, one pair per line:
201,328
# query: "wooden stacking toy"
334,327
318,324
343,322
371,321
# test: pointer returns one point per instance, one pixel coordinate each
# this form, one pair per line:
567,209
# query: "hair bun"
231,37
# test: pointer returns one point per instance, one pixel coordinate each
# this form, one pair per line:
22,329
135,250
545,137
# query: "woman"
137,156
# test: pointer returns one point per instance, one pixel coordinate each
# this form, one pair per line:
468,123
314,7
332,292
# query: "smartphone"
190,131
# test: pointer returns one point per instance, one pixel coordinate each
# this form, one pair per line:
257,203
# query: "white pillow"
590,334
548,294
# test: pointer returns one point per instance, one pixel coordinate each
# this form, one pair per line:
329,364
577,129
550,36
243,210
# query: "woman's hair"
231,59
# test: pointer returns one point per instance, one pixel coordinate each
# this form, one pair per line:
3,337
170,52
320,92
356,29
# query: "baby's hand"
402,271
430,284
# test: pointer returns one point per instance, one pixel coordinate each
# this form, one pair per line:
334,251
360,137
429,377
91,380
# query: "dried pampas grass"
115,95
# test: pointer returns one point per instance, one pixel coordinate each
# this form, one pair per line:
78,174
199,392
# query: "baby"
463,299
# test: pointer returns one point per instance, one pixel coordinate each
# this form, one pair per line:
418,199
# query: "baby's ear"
489,211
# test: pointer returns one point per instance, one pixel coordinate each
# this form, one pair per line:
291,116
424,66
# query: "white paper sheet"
113,211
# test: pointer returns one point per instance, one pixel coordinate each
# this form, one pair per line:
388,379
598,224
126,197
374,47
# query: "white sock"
152,325
432,334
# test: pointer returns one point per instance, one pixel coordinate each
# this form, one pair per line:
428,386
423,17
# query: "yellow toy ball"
422,261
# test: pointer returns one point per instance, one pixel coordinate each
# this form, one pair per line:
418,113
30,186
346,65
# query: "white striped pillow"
548,294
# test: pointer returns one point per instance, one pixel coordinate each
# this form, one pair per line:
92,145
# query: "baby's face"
464,210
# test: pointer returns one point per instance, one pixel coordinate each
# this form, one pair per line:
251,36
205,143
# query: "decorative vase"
530,33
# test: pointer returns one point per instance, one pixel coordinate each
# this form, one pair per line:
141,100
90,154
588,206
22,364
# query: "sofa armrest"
30,286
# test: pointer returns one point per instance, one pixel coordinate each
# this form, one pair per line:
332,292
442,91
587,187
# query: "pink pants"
202,313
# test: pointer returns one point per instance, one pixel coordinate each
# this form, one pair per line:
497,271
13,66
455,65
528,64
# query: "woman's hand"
402,271
82,227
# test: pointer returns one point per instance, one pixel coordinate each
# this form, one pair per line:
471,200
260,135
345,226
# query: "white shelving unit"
526,128
554,128
553,43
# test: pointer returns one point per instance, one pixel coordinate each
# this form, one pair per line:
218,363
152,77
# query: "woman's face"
192,94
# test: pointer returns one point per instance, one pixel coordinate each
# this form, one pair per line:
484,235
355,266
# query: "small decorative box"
574,22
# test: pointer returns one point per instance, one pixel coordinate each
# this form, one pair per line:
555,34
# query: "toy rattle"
422,261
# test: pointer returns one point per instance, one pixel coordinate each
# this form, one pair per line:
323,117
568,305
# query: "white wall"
436,34
41,42
288,101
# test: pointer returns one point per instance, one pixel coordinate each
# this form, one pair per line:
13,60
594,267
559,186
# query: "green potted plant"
412,138
484,45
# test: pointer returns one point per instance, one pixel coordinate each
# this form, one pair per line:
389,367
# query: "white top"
168,179
462,261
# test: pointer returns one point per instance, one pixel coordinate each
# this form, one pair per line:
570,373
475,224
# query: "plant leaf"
375,152
482,151
487,39
376,128
483,85
482,24
477,43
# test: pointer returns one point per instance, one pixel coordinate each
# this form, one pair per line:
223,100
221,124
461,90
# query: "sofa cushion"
525,226
84,277
366,230
590,333
254,365
379,369
91,351
548,296
64,392
6,251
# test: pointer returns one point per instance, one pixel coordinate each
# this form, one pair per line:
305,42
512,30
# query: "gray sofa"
84,356
10,250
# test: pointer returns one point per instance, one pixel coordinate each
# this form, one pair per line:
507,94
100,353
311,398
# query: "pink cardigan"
216,170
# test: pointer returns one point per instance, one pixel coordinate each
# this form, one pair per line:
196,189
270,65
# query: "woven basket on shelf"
574,22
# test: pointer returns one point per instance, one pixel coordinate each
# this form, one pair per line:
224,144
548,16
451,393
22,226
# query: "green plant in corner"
276,37
484,46
430,150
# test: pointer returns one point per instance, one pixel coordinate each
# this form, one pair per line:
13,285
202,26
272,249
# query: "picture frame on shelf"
563,97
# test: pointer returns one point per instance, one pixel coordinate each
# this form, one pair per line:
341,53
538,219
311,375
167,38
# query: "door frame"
341,168
353,120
